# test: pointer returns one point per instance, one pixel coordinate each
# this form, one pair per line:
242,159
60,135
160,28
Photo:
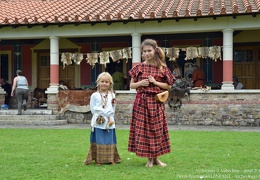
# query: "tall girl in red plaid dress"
149,136
103,148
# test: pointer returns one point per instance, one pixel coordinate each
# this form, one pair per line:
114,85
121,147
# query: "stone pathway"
171,127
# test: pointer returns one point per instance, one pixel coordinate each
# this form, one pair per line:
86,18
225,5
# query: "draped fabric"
66,59
116,55
104,57
92,59
172,53
77,58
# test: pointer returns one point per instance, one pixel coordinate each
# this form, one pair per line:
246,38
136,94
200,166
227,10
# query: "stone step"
27,112
33,122
30,117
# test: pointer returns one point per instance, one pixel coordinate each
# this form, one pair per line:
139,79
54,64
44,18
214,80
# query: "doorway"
6,66
66,74
247,66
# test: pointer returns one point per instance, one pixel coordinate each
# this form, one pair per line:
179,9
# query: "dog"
178,91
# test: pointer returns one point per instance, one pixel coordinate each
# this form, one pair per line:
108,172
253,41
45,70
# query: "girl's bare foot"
86,162
159,163
99,164
150,162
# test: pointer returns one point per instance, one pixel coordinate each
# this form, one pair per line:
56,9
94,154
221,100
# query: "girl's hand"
12,94
151,79
144,82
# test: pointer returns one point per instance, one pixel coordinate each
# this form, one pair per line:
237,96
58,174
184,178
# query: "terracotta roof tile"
23,12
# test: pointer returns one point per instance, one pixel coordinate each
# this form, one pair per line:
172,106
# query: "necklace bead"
104,98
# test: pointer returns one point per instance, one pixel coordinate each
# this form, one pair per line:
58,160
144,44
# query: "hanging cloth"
77,58
104,58
116,55
191,53
215,53
66,59
203,52
127,53
172,53
92,59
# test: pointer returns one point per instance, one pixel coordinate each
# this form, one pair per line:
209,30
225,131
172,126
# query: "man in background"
119,79
237,83
7,88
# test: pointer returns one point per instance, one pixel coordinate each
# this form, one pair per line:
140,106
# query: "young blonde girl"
103,148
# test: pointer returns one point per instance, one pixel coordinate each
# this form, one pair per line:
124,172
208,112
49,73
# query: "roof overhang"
123,21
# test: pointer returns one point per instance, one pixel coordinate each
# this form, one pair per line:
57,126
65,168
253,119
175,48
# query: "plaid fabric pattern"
103,147
142,71
149,128
103,154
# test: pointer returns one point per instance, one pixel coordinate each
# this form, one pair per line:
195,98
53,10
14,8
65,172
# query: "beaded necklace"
104,98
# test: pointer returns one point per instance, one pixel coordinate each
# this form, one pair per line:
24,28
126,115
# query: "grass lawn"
59,154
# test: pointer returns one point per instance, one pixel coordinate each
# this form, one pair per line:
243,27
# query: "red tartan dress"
149,135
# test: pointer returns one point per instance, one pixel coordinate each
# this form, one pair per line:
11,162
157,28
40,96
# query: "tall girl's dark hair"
159,56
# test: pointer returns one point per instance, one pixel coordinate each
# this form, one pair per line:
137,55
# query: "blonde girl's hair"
159,56
105,74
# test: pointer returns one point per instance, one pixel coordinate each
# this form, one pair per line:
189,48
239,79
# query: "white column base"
2,91
53,89
227,86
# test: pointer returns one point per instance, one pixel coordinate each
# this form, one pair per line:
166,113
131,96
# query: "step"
29,117
33,122
27,112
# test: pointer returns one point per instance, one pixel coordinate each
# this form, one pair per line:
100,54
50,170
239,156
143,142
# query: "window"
238,56
249,56
44,61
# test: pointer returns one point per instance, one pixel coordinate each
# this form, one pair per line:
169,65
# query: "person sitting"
39,97
237,83
62,86
7,88
119,79
198,77
176,71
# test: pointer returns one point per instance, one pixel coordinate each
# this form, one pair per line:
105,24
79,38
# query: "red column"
54,74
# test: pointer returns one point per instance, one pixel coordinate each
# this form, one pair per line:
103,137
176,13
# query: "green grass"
59,153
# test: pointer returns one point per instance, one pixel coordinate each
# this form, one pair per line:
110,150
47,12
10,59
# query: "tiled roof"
34,12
